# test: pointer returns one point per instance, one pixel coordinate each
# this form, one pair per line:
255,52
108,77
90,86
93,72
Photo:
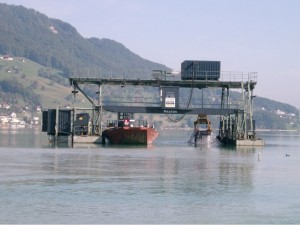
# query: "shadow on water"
239,148
53,144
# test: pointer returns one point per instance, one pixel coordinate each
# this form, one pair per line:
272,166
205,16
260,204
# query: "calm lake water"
169,182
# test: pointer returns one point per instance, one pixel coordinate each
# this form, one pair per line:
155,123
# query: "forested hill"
46,51
56,44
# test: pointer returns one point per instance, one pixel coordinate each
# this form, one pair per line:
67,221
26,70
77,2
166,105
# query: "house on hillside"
4,120
5,106
35,121
6,57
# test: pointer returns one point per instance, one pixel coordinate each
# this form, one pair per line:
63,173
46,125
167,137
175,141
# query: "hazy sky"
260,36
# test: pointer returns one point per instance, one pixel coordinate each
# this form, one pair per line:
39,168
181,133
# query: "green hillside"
21,75
56,44
47,51
23,83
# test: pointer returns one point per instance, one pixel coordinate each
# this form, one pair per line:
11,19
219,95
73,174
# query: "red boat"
124,132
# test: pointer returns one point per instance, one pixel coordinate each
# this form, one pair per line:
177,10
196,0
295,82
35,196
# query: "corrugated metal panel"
51,121
64,122
45,121
200,70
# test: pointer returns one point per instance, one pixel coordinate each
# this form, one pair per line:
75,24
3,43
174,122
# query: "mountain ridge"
54,43
62,52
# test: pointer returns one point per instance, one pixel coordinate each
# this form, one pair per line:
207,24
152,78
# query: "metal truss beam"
160,110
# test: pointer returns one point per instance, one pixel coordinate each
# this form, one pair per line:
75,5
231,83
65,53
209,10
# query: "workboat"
129,132
202,130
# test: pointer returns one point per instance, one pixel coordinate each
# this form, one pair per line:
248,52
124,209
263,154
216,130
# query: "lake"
168,182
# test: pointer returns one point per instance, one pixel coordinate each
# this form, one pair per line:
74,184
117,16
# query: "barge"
129,132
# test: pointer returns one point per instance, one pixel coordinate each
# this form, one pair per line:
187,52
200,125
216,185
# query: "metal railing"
238,76
168,75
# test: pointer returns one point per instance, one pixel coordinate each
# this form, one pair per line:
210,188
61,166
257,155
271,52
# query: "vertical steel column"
245,113
202,97
56,125
250,107
93,117
100,110
221,125
228,102
74,112
72,128
222,98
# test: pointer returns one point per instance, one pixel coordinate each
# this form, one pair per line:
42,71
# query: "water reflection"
173,183
174,172
22,137
193,170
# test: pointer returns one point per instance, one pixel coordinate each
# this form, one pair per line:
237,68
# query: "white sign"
169,102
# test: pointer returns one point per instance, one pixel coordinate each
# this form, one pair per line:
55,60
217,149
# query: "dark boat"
202,130
129,132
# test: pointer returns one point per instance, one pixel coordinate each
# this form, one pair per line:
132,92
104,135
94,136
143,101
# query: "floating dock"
87,139
249,142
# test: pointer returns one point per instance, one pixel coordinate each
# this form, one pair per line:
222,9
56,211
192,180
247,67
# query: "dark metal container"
45,121
64,122
51,121
200,70
81,123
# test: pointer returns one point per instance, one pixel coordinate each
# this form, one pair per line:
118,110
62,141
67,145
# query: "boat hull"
201,137
130,135
240,142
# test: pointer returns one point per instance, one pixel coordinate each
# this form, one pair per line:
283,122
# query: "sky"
260,36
